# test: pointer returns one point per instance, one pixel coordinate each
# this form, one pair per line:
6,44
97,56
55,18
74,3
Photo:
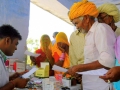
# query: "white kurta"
99,45
4,74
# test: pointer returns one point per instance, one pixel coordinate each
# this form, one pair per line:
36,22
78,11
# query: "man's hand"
72,70
16,75
20,82
112,75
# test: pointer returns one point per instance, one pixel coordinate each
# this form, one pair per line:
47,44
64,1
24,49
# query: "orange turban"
83,8
61,37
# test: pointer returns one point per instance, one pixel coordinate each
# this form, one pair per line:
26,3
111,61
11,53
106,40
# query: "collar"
78,32
92,29
3,56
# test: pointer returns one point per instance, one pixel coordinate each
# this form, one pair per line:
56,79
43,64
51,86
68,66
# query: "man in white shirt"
9,38
99,45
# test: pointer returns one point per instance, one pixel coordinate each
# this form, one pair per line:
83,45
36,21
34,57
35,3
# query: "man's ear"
7,40
87,18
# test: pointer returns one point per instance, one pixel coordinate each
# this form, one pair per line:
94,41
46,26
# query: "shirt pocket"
90,53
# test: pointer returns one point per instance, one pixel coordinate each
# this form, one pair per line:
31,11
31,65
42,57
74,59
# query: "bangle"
12,84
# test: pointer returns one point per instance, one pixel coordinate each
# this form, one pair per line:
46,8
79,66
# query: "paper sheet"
31,54
99,72
26,75
91,72
58,68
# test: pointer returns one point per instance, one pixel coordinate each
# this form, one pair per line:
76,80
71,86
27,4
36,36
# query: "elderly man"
109,14
99,45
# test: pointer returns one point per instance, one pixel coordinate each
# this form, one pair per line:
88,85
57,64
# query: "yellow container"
43,71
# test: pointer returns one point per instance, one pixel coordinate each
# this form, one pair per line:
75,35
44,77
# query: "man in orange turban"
98,50
83,8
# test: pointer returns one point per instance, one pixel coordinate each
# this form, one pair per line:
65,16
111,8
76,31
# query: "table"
77,87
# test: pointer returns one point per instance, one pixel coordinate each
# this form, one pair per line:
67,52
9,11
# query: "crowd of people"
95,45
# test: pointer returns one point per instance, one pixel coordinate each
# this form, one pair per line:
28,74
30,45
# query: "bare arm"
18,82
84,67
8,86
90,66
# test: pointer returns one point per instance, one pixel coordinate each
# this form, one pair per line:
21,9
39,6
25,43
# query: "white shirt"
4,74
99,45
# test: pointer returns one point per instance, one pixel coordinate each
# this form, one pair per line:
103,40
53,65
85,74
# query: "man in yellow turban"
109,14
98,50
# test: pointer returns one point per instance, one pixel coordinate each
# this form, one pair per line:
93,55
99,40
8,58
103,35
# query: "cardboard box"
19,66
43,71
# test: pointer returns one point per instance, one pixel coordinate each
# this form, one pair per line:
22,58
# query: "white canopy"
60,8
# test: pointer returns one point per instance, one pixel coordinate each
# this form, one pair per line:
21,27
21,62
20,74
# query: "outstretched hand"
72,71
112,75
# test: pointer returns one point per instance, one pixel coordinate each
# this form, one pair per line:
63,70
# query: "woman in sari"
60,51
45,53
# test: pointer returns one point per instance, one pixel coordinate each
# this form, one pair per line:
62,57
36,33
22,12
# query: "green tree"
32,45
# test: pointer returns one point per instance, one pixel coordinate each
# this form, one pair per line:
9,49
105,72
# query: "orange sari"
56,53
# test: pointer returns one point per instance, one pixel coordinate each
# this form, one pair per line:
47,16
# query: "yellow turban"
83,8
61,37
111,10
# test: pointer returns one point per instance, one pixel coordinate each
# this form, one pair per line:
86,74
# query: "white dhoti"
93,82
